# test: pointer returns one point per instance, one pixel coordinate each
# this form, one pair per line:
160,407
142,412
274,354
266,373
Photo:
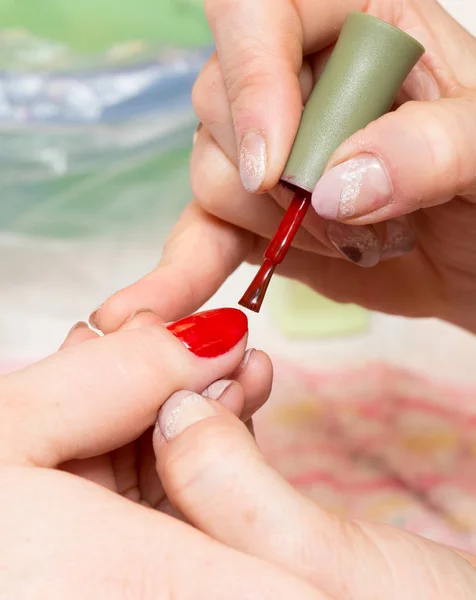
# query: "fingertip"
228,393
255,375
111,314
124,305
80,332
266,119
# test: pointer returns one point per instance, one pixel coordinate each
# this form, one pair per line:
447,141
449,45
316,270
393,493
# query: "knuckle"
209,96
201,180
247,73
210,177
216,9
249,69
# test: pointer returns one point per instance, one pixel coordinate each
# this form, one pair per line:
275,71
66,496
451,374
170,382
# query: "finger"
96,468
199,255
216,187
419,156
231,395
220,194
99,395
243,397
230,477
80,332
255,375
126,550
210,101
260,52
260,46
248,387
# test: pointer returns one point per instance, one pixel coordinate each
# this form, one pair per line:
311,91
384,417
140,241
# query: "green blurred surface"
90,26
149,193
116,190
301,314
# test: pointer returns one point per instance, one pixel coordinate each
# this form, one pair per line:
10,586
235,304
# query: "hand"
228,491
416,168
130,469
85,409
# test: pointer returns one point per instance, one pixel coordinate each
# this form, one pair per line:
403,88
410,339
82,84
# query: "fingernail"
399,240
93,317
216,390
246,359
354,188
67,340
182,410
196,132
78,325
360,245
211,333
253,157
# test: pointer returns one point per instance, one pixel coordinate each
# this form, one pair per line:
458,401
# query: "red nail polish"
211,333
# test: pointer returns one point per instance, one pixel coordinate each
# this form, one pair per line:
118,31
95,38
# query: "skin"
230,492
78,474
73,499
269,54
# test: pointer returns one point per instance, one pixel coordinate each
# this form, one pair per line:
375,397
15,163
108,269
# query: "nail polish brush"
360,82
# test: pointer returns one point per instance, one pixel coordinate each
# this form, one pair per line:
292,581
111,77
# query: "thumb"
96,396
419,156
215,476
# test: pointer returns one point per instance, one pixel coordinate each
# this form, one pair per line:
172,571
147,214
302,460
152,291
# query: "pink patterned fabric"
380,444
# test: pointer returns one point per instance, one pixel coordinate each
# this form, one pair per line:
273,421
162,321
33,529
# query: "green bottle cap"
365,72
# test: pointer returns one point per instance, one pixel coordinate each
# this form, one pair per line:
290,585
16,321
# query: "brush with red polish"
365,72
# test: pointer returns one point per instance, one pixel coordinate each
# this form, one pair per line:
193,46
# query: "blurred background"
95,134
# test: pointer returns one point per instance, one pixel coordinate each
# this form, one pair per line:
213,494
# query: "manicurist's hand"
397,198
78,476
228,491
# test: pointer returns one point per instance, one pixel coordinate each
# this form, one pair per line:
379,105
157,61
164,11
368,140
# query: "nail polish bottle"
365,72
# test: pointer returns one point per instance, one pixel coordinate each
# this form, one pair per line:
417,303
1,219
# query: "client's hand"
88,410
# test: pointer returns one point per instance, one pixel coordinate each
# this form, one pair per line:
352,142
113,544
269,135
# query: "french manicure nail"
399,240
353,189
359,245
182,410
216,390
253,158
211,333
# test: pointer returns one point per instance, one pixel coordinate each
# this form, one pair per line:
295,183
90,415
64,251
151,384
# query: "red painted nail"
211,333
